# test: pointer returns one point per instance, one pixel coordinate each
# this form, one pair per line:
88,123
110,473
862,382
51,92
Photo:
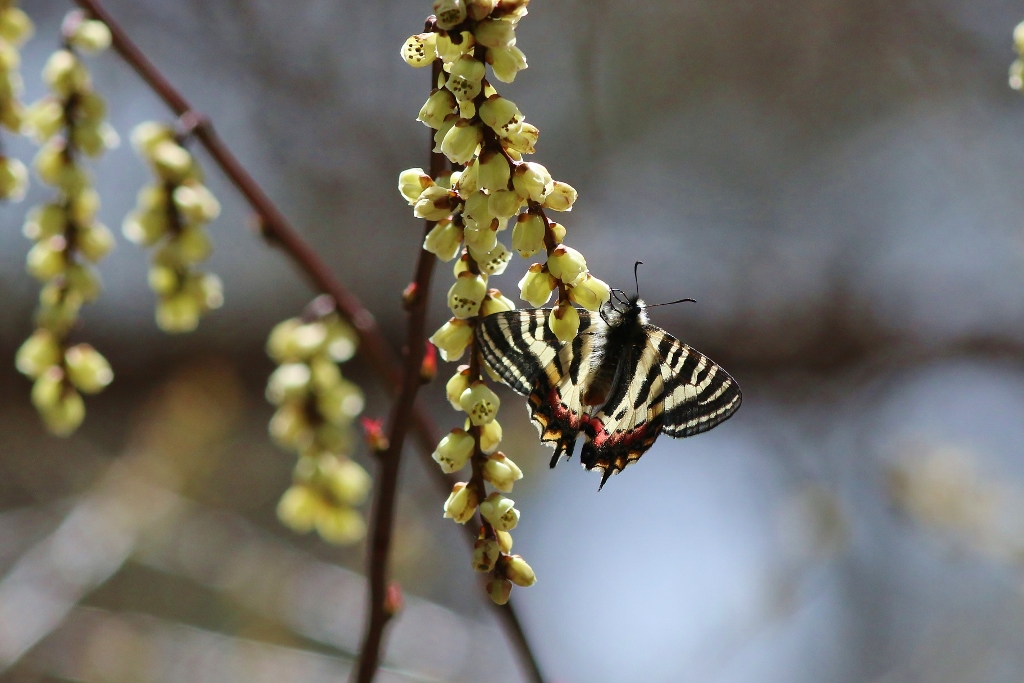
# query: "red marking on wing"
602,438
561,412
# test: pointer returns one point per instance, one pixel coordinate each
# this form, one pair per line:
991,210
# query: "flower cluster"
489,136
15,29
69,124
172,212
316,407
1017,67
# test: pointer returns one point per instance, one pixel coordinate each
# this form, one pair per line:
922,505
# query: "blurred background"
837,182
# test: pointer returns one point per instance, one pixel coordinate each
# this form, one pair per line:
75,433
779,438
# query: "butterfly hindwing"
630,420
521,349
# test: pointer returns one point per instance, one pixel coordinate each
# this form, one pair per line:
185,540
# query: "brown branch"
279,232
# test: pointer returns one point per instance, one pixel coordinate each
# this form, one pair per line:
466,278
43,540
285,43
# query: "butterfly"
621,382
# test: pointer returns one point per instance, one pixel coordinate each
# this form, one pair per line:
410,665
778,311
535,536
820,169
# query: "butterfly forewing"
698,393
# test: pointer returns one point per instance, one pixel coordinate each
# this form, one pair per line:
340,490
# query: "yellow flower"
461,140
532,181
420,50
496,302
485,554
439,105
495,33
528,235
450,13
433,204
519,572
454,450
444,240
506,62
87,369
465,78
493,173
561,198
466,295
590,293
480,403
500,512
452,339
501,472
461,504
499,590
567,264
458,383
564,321
535,287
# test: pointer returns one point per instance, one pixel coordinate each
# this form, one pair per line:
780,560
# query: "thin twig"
278,231
382,524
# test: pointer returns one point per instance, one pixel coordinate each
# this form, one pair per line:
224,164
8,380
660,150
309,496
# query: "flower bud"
518,572
590,293
178,313
449,13
561,198
504,203
38,353
340,525
44,119
481,238
480,402
454,450
567,264
528,235
348,481
564,321
15,25
461,504
485,554
506,62
499,590
148,135
13,179
420,50
47,388
557,232
299,508
412,182
461,140
467,183
452,339
494,261
501,114
47,259
66,414
493,172
465,77
442,130
87,368
288,382
440,104
466,295
91,36
532,181
535,287
496,302
490,436
479,9
444,240
145,228
64,74
455,386
495,33
523,140
44,222
504,541
95,241
433,204
171,161
501,472
500,512
196,203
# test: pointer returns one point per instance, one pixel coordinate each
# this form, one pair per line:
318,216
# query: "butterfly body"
621,382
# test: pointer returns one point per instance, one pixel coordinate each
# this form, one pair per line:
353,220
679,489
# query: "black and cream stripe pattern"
620,382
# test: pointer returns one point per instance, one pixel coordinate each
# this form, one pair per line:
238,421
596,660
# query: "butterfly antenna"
669,303
637,279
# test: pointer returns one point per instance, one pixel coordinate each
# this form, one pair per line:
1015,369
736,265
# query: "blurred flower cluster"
487,135
15,29
69,124
315,410
1017,67
172,212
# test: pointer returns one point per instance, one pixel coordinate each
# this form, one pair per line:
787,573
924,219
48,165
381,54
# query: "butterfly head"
622,309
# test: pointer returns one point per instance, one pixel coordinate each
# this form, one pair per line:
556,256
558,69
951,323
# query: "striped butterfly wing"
665,386
523,351
698,393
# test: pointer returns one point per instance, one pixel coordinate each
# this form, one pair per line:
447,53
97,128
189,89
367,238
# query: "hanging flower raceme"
171,214
69,124
15,29
316,407
489,136
1017,67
